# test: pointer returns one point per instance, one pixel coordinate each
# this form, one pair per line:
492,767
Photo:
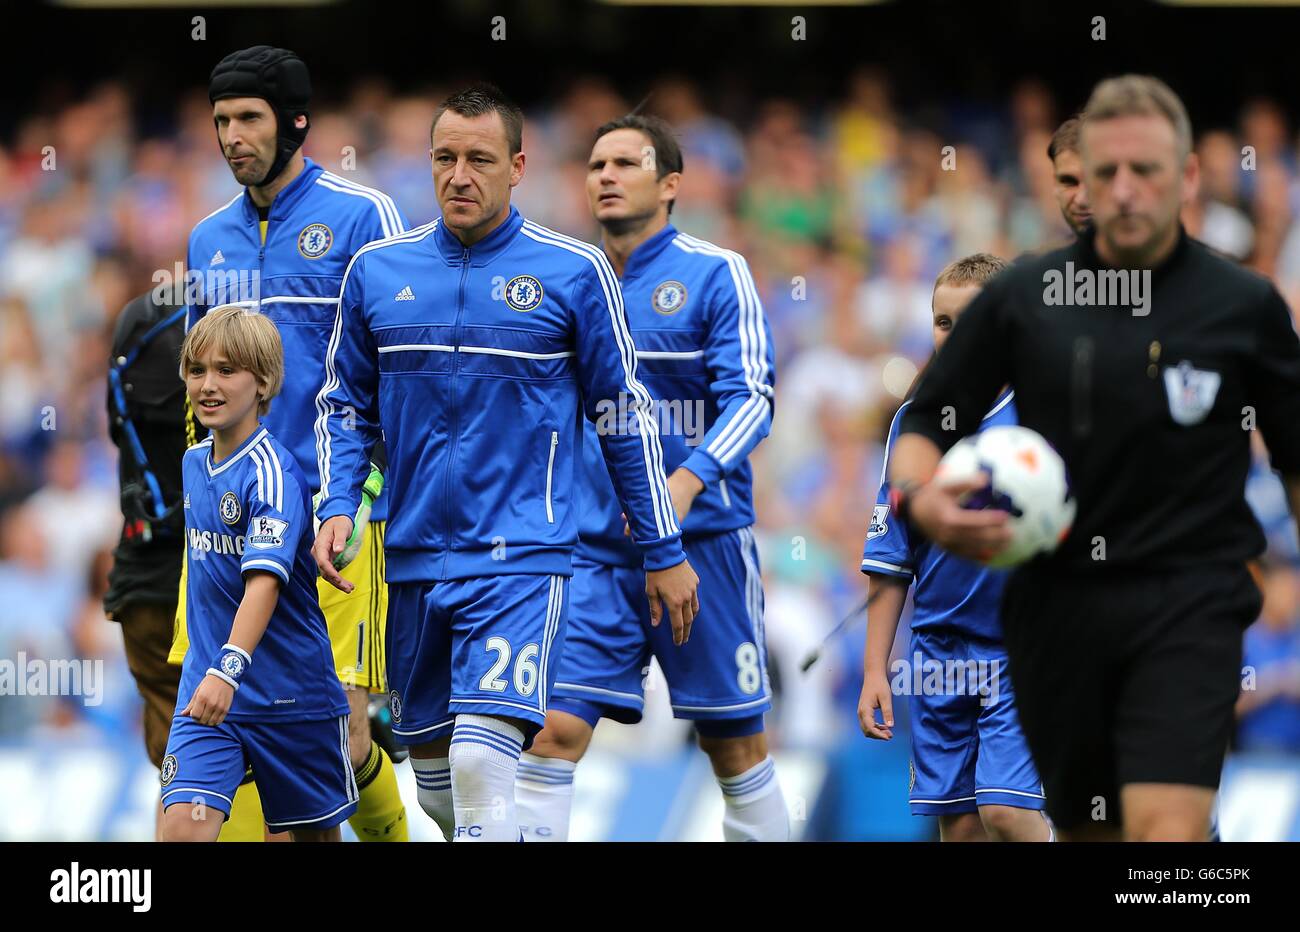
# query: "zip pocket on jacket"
550,473
722,487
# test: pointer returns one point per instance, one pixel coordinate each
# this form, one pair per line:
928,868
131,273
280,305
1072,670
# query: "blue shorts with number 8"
481,646
720,674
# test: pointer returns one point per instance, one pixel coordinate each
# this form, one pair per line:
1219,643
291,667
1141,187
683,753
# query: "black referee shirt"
1150,411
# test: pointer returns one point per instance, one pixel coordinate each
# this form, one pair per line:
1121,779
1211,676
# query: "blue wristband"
231,664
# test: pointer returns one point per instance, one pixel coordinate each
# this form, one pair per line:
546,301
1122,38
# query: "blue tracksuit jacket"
705,353
479,364
316,225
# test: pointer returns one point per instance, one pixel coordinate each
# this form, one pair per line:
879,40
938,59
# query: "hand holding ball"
1026,479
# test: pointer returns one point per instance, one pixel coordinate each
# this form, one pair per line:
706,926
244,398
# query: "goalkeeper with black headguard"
281,247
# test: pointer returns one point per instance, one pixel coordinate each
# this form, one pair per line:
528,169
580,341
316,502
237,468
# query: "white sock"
755,806
484,754
433,780
544,795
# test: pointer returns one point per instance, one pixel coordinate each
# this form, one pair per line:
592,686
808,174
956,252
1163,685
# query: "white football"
1027,479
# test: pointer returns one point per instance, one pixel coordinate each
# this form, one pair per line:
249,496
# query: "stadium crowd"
845,210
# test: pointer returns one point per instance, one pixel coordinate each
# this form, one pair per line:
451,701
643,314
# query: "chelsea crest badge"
523,292
315,240
669,298
230,509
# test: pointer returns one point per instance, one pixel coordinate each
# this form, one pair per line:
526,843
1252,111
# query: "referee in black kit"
1144,358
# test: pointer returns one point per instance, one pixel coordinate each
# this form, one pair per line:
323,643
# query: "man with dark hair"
1065,139
476,344
1067,172
660,153
1147,374
480,100
281,247
706,350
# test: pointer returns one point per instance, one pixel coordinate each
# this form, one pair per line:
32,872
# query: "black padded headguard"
277,76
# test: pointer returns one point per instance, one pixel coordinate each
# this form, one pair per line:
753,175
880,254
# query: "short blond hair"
248,339
975,269
1140,94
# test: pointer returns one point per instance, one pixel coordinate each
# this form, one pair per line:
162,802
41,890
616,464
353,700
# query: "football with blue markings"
1026,478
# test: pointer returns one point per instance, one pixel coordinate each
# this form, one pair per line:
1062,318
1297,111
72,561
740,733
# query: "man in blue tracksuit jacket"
280,248
478,343
706,352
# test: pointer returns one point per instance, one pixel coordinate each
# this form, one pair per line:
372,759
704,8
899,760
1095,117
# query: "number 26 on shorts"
525,672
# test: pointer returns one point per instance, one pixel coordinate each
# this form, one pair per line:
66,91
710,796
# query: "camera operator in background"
151,424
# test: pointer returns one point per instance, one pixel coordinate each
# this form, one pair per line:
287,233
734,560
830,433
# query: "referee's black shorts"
1125,677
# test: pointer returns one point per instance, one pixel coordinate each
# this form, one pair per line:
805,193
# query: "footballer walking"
478,343
257,685
290,234
705,352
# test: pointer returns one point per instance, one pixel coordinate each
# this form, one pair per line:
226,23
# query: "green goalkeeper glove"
370,490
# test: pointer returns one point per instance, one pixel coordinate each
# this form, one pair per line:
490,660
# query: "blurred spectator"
787,197
1215,217
36,613
1269,713
1034,219
1033,110
150,218
864,134
114,709
401,167
1267,498
894,306
796,285
48,267
557,143
705,138
79,519
20,372
968,197
1271,212
838,371
898,199
795,619
1264,129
